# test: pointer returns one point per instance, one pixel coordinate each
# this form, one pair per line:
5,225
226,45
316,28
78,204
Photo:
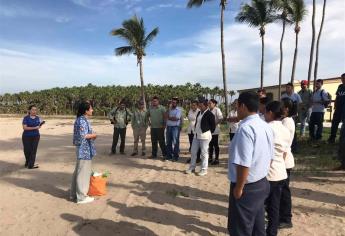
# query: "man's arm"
242,175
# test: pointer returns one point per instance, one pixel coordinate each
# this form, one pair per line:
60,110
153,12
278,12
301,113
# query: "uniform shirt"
157,116
306,96
233,126
192,118
120,116
289,123
218,118
317,100
177,113
85,147
281,139
139,119
29,122
294,97
252,147
198,132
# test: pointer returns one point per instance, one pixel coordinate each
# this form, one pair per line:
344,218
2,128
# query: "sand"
145,197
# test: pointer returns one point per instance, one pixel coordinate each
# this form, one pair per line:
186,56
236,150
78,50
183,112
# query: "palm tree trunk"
295,55
318,42
312,45
262,60
281,60
142,82
223,58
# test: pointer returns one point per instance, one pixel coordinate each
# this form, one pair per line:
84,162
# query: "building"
330,85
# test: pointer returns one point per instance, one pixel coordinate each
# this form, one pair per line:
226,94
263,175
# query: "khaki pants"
81,180
139,133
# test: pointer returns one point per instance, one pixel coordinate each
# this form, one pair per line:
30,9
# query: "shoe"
143,154
210,160
189,160
189,171
215,162
174,159
86,200
33,167
152,157
112,153
134,154
285,225
72,198
339,168
331,141
198,160
122,153
202,173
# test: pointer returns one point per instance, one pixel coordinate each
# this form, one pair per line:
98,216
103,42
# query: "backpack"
329,96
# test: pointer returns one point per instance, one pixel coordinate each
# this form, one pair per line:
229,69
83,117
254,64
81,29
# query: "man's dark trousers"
122,133
285,214
341,153
246,216
316,118
335,123
157,136
272,206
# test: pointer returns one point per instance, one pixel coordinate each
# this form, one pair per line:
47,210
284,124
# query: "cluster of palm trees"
64,101
257,13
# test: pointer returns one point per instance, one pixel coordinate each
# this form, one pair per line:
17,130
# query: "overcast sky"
49,43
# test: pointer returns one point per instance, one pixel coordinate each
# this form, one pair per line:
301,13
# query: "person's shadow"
94,227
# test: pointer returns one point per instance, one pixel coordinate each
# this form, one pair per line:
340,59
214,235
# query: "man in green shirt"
304,108
157,116
120,117
139,125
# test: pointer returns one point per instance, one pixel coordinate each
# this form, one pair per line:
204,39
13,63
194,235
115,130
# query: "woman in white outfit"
214,144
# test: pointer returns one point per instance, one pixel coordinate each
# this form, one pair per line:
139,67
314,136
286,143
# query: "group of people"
261,133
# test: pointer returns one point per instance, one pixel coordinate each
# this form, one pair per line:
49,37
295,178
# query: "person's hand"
95,136
237,192
38,127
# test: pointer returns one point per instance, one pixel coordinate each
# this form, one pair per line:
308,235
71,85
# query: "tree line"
64,101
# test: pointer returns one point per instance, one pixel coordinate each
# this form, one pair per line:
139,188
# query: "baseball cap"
304,82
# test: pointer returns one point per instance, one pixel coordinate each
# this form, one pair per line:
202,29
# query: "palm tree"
284,11
198,3
257,14
311,57
134,33
298,13
318,42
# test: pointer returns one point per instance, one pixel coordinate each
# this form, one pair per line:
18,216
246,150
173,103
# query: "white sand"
141,192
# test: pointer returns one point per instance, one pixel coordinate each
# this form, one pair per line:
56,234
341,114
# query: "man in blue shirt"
173,130
250,155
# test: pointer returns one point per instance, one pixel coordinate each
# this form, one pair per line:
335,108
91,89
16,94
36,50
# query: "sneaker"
189,171
134,154
86,200
188,160
210,160
143,154
112,153
152,157
215,162
331,140
122,153
285,225
202,173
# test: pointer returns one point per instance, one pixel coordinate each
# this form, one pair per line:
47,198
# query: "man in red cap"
304,108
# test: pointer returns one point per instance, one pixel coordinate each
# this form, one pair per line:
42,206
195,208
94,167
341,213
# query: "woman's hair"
83,107
30,107
275,108
287,103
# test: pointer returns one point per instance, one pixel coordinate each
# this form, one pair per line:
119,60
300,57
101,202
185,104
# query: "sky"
63,43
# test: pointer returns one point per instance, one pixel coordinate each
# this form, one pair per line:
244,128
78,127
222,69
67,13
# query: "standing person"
261,93
338,109
157,120
277,173
320,99
341,150
262,106
31,136
214,144
139,123
304,108
120,117
193,112
83,139
289,109
233,121
289,93
174,120
205,125
250,155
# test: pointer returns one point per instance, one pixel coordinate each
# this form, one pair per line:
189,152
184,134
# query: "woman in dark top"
31,136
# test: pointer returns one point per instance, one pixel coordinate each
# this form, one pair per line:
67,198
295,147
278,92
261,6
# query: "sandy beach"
145,197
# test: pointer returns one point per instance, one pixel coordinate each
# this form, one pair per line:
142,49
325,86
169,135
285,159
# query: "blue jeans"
304,116
173,142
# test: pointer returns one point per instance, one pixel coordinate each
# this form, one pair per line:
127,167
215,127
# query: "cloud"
14,11
33,67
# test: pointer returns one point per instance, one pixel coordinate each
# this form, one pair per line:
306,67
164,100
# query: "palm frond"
151,36
299,10
124,50
194,3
